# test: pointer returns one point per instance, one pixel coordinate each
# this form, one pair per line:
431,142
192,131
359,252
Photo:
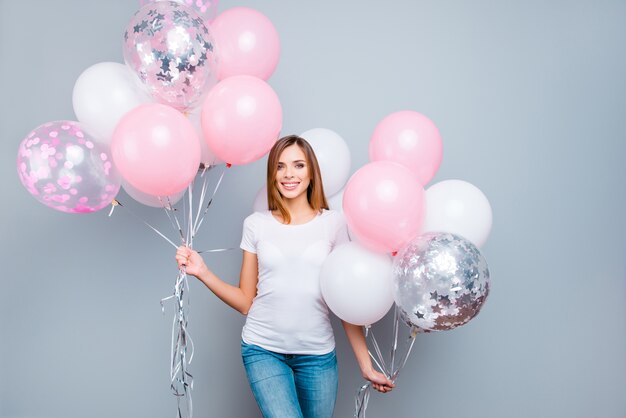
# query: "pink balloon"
411,139
241,119
65,169
384,206
156,149
207,157
151,200
247,43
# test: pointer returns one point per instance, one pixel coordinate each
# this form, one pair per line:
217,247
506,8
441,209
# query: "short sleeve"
341,231
248,238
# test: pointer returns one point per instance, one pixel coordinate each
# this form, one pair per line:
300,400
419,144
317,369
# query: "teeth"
290,185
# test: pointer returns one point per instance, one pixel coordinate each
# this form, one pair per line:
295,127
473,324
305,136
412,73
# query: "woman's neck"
299,209
298,206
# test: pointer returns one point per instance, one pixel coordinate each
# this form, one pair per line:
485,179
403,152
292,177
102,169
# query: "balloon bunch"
437,277
191,95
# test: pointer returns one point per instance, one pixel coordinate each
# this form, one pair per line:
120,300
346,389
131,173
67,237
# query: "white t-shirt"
288,314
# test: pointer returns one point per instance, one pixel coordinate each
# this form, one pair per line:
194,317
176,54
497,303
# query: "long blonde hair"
315,191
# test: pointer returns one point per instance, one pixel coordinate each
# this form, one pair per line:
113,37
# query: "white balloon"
207,156
260,200
333,156
151,200
458,207
102,94
357,284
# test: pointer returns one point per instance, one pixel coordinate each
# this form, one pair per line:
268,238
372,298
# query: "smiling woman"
529,98
287,342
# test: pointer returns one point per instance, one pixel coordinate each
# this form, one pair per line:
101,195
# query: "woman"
287,346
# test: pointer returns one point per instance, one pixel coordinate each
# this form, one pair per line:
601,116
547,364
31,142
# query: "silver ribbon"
182,347
390,370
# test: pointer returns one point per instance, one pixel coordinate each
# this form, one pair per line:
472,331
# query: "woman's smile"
290,185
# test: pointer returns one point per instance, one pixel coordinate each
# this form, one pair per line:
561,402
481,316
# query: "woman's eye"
299,165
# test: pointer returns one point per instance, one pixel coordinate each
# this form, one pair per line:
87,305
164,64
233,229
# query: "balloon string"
410,342
118,203
377,363
181,381
171,215
362,397
190,215
217,250
361,400
114,204
406,356
165,204
394,347
184,200
182,351
197,227
367,335
201,200
217,186
384,368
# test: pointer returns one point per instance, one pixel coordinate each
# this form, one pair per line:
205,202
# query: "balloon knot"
229,165
394,253
114,203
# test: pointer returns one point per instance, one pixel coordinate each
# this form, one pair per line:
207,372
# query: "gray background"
529,97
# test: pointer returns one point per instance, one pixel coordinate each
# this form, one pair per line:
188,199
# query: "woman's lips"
290,185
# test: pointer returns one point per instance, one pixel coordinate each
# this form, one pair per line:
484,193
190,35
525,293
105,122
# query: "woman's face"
292,174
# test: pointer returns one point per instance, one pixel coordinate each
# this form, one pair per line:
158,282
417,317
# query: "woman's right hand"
191,261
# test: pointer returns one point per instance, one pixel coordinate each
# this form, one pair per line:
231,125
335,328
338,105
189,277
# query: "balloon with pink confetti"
171,49
206,8
65,169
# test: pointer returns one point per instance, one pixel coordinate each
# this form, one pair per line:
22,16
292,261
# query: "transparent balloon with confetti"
441,281
65,169
206,8
171,49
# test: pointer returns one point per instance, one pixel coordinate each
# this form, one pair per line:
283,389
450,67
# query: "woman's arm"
357,340
237,297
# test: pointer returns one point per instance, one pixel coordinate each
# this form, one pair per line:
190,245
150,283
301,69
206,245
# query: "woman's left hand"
379,381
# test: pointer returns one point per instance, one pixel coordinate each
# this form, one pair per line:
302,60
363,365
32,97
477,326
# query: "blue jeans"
291,385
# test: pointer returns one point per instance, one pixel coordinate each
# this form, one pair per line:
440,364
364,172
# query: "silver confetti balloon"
440,281
171,49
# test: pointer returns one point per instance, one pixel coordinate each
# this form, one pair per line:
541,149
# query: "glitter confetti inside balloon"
170,48
65,169
206,8
440,282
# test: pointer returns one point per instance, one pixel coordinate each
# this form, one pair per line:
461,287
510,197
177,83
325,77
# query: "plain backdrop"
529,97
